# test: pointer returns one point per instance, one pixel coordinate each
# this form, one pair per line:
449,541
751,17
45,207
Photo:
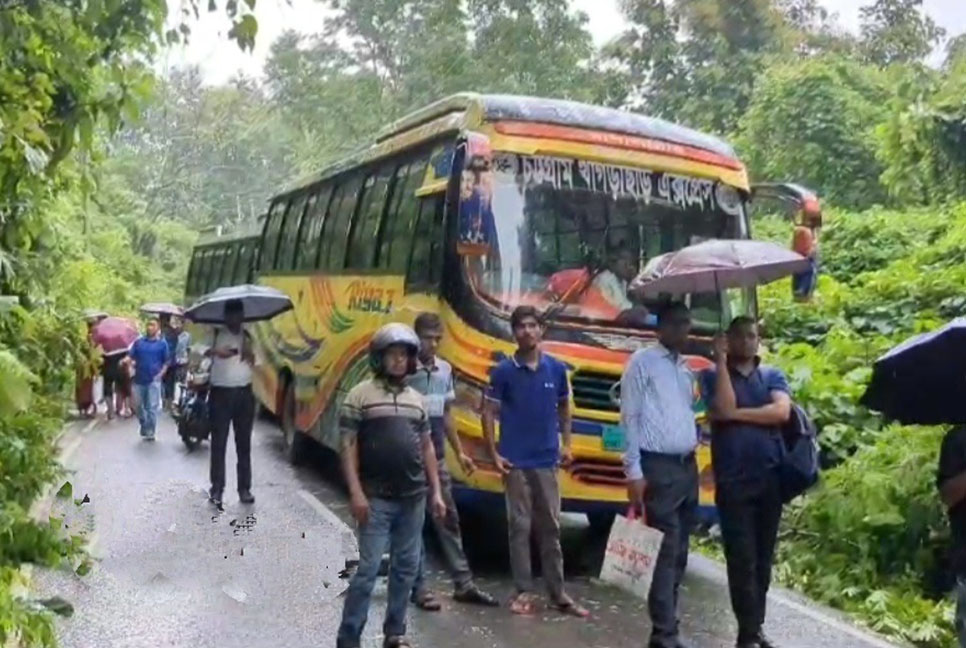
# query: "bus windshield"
569,235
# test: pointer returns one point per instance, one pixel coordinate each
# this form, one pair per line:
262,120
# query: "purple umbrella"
114,334
710,266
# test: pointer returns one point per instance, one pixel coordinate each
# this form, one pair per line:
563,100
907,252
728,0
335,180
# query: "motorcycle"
194,423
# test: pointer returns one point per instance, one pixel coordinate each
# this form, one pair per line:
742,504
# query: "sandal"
571,608
475,596
396,642
522,604
427,601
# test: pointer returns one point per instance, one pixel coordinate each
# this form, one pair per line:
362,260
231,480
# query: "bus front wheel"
294,439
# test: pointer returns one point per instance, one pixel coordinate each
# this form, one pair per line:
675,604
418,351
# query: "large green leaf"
16,384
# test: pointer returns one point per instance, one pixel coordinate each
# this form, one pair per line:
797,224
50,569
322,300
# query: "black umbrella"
259,302
923,380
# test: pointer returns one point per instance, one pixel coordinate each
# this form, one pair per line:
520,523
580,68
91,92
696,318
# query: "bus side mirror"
799,204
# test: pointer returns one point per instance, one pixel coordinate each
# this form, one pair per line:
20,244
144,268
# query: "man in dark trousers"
170,332
231,402
952,488
657,415
749,404
433,379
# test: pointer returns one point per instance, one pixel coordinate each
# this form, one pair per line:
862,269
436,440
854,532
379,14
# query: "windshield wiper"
592,261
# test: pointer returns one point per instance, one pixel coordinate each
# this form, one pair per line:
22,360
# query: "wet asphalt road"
173,571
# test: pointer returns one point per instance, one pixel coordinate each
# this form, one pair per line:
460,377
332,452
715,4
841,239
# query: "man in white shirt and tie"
657,395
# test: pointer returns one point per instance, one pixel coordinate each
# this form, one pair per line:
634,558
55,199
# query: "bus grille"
592,390
598,473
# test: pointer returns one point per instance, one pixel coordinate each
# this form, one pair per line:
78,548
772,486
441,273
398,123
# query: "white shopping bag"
631,555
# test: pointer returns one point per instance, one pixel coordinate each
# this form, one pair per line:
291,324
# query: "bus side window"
211,271
199,286
217,263
436,240
362,237
273,226
192,279
426,258
396,235
206,280
228,265
312,229
338,228
328,224
284,258
243,263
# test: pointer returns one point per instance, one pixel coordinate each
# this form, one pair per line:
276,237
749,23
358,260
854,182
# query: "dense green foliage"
871,540
814,120
71,75
108,172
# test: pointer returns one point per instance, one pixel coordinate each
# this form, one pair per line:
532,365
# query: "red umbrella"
713,265
114,334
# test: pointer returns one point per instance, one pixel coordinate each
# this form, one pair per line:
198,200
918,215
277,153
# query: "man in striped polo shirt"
434,380
387,459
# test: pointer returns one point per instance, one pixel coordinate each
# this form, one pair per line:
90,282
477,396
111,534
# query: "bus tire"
293,439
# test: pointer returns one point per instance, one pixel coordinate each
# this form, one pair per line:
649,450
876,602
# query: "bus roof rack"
563,112
216,234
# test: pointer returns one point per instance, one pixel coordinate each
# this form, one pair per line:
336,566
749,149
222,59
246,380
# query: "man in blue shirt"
749,403
150,356
530,393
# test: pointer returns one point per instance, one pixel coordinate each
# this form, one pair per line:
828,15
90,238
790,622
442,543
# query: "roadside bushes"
871,539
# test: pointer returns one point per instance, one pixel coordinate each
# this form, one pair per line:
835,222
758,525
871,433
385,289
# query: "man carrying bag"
657,415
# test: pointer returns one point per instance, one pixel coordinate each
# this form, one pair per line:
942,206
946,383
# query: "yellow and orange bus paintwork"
319,347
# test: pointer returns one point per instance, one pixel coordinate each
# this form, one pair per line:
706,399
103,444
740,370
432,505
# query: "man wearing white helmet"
389,462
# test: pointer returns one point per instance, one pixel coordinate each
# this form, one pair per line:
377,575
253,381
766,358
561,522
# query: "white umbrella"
259,303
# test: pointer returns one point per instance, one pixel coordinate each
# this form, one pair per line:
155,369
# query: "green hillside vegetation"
871,539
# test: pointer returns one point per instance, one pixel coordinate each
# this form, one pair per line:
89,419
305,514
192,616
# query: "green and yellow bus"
468,208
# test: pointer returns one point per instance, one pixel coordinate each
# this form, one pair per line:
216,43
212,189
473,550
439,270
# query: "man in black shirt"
952,488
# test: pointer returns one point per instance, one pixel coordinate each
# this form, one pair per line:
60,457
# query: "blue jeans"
961,611
397,523
148,400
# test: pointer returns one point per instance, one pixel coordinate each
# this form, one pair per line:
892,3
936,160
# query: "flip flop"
428,602
475,596
571,608
522,604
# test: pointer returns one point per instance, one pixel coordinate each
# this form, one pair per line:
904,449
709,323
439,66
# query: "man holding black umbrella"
231,402
952,488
